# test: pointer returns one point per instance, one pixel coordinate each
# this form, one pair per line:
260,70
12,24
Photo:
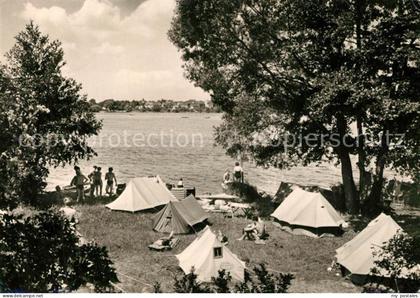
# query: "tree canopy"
42,253
45,120
305,71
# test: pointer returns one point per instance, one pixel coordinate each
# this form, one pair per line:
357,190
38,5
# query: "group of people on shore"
94,179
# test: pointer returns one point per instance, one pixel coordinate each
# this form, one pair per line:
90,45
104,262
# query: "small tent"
180,216
308,213
207,255
141,194
357,255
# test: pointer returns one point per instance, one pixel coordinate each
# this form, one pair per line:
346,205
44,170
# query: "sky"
116,48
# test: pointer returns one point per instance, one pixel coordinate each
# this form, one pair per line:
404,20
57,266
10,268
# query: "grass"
127,236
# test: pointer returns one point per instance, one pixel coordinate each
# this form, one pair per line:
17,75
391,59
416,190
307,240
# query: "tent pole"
195,232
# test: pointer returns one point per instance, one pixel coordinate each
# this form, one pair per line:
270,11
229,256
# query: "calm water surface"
196,159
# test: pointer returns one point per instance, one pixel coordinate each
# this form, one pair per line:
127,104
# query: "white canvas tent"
207,255
141,194
308,213
357,255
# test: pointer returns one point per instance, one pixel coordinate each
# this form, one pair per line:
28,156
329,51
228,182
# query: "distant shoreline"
153,112
163,105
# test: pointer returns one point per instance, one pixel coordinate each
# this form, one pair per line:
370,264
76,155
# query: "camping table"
239,207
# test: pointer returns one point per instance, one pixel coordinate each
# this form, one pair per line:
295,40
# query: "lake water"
178,145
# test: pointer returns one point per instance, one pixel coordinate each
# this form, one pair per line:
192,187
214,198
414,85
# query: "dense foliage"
42,253
258,281
45,121
398,262
188,283
263,281
293,76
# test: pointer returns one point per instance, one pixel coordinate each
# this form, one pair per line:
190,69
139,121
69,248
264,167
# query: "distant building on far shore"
162,105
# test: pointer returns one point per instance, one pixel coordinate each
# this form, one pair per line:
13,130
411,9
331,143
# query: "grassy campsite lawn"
127,236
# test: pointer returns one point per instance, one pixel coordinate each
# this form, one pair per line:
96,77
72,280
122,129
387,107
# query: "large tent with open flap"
141,194
357,256
208,255
308,213
179,216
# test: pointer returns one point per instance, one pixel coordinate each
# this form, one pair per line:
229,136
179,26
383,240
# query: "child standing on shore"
97,178
91,177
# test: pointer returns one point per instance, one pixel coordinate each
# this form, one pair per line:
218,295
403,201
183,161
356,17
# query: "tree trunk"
360,6
350,191
374,202
362,159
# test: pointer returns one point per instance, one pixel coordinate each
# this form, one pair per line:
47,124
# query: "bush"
261,281
373,287
41,253
265,282
157,287
395,265
261,202
221,282
188,283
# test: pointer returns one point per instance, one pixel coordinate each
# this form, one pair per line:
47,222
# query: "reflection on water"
201,165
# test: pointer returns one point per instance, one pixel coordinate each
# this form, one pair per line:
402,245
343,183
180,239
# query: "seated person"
58,194
227,178
165,241
68,212
180,183
222,237
260,229
249,232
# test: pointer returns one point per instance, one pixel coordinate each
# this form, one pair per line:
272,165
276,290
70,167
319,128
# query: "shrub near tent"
179,217
308,213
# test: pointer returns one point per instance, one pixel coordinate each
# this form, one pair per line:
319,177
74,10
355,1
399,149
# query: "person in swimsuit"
97,178
92,182
238,173
110,179
79,181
